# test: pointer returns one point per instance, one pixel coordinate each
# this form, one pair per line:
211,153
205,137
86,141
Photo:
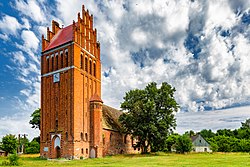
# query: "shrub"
183,144
13,158
33,147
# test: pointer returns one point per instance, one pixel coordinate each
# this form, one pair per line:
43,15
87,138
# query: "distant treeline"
226,140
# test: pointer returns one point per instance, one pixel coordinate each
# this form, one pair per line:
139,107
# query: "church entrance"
92,153
56,141
58,153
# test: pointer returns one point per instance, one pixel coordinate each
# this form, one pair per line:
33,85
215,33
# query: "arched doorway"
92,153
58,153
57,147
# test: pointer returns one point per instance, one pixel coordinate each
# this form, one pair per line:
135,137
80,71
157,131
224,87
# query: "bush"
214,147
33,147
183,144
13,158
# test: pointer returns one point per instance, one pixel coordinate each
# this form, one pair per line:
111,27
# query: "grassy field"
151,160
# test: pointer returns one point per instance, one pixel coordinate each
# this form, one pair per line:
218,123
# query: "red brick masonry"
74,121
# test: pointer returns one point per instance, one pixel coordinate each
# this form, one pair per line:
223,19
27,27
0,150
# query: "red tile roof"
62,36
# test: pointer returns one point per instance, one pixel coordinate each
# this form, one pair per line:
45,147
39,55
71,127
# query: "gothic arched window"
86,64
61,55
67,58
90,66
94,69
81,62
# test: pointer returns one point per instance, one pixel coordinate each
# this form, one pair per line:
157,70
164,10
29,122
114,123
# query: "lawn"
151,160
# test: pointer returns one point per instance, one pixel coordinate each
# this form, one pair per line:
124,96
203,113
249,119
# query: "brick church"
74,121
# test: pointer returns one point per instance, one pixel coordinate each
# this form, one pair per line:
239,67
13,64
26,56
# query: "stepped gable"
110,118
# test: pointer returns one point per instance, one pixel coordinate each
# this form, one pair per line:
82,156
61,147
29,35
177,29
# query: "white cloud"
214,120
4,37
26,23
139,37
220,14
68,10
31,9
9,25
19,58
42,30
17,124
28,73
30,40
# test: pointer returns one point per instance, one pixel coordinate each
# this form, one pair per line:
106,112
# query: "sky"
202,48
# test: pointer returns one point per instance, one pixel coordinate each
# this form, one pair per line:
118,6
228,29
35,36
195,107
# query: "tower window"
81,62
67,58
56,124
94,69
56,62
86,136
81,136
87,151
52,65
86,64
90,66
61,60
66,136
48,65
82,150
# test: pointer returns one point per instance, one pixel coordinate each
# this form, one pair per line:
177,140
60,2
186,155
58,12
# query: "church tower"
71,119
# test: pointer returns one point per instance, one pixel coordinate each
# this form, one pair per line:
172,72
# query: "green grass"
151,160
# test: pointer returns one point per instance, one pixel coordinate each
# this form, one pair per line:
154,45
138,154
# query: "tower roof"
95,98
63,36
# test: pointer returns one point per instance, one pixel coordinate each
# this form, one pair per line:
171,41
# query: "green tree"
224,143
35,121
243,133
207,134
225,132
183,144
33,147
36,139
246,124
9,144
150,115
190,133
213,146
171,142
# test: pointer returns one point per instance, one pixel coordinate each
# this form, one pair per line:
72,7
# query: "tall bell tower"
70,89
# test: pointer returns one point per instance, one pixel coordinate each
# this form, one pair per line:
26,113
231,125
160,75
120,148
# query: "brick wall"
114,143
